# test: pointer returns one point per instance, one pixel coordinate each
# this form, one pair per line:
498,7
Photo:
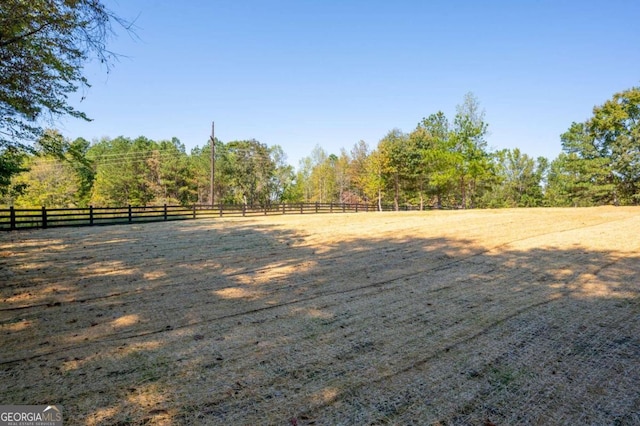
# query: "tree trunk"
472,190
396,195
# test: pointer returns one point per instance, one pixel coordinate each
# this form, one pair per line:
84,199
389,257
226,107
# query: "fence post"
344,207
331,207
130,216
301,208
91,215
284,208
44,217
316,207
165,211
244,210
356,207
12,217
194,211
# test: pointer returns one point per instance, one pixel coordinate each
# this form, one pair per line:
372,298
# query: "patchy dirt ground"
527,316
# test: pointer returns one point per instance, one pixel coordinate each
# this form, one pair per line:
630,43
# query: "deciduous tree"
44,45
393,159
473,166
603,153
518,180
436,173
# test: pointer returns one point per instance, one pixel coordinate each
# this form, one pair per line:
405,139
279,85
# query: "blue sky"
330,73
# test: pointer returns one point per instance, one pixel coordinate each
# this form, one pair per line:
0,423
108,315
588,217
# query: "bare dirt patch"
528,316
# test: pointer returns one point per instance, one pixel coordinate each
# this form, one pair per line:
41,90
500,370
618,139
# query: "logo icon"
32,415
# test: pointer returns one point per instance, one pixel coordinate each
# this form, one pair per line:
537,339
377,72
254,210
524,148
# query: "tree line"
442,163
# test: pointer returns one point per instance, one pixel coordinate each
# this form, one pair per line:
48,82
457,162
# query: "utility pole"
213,162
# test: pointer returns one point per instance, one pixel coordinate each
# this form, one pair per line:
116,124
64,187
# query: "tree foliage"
472,162
50,177
439,164
140,171
602,158
437,159
442,163
50,183
518,180
11,164
44,45
252,173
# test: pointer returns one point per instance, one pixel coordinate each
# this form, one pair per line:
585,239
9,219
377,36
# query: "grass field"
528,316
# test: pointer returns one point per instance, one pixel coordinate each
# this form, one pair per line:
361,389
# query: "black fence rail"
13,218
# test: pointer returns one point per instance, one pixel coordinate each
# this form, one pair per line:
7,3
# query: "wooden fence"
13,219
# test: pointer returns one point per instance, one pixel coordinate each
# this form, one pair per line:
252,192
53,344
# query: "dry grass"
470,317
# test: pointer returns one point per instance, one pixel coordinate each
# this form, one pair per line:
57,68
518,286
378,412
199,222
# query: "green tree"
303,188
616,127
283,176
319,171
250,169
344,179
48,182
200,166
373,181
518,180
560,190
43,47
51,142
604,152
593,180
394,154
61,175
175,176
11,164
473,168
358,170
84,169
125,172
435,163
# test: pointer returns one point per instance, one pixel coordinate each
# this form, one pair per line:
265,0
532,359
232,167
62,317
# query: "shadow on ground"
249,323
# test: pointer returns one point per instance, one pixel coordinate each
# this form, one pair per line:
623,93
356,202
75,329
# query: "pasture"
517,316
